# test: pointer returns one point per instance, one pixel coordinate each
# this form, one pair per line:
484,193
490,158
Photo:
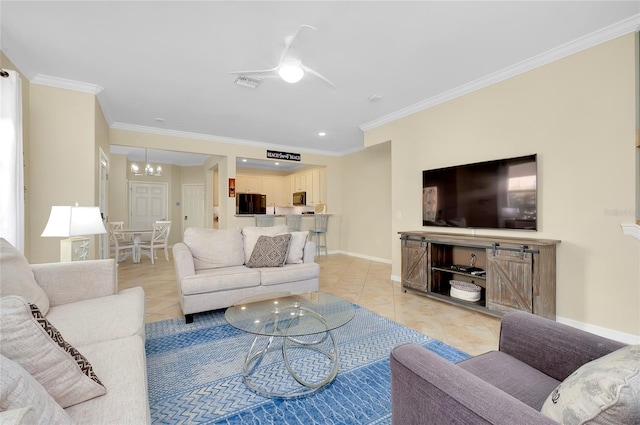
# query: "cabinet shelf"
520,272
448,269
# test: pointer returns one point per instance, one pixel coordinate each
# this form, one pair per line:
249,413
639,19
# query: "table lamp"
73,223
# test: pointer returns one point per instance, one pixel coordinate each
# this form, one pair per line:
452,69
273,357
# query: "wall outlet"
398,214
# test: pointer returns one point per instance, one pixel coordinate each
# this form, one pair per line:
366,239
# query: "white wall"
579,115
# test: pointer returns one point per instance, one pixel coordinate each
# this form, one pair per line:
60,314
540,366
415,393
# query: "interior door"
192,206
148,204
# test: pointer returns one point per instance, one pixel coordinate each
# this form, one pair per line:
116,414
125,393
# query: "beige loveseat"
213,267
54,318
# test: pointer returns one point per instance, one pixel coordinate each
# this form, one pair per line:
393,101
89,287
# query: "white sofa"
212,267
106,326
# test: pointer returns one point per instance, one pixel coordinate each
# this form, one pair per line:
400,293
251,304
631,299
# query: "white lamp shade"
291,72
74,221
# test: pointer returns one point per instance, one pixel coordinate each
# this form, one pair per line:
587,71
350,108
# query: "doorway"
103,240
147,204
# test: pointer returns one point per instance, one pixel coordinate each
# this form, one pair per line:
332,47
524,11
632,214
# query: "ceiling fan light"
291,73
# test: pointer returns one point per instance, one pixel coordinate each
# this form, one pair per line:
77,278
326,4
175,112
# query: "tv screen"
500,194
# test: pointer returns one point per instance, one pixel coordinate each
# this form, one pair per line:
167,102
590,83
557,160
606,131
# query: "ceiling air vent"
251,82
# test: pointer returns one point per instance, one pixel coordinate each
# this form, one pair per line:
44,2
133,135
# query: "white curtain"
11,161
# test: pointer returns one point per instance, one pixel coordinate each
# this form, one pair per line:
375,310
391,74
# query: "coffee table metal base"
256,356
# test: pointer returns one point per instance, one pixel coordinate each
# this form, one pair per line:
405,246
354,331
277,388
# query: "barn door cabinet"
519,273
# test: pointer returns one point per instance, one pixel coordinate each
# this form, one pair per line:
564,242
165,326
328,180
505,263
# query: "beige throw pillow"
16,277
270,251
296,249
250,236
30,340
213,248
19,390
604,391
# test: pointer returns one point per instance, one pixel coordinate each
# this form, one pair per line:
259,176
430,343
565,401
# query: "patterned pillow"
30,340
603,391
251,234
270,251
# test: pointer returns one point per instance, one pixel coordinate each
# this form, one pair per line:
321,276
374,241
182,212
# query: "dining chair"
320,224
117,241
159,239
264,220
293,222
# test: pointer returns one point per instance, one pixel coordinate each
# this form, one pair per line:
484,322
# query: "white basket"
466,291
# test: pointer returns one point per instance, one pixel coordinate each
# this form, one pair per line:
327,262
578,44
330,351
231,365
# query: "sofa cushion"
603,391
16,277
212,248
115,316
512,376
270,251
251,234
26,398
122,365
289,273
31,341
296,249
223,279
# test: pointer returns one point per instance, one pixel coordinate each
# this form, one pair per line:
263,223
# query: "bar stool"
293,222
264,220
321,222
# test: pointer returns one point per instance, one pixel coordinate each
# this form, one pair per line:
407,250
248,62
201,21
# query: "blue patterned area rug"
195,374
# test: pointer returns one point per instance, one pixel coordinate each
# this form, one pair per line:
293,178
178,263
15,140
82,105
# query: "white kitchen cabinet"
273,188
248,184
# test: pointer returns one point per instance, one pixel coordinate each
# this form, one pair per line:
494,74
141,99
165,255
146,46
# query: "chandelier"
148,170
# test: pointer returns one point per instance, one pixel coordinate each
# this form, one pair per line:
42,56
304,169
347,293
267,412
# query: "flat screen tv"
500,194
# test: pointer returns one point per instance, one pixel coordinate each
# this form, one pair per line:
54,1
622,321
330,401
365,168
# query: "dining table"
136,234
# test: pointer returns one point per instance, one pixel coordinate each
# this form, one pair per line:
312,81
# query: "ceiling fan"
290,68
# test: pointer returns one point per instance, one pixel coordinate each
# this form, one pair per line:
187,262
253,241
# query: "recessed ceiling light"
322,133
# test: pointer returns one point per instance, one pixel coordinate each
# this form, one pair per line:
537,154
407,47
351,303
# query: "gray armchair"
507,387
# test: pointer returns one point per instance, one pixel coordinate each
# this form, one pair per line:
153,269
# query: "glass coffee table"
297,324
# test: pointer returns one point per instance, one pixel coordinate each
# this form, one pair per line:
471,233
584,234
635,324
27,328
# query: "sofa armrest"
183,261
425,388
309,252
551,347
72,281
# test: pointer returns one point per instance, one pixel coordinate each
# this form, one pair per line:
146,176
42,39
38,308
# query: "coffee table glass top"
285,314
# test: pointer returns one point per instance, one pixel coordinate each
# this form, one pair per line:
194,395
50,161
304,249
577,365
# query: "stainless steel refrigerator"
251,203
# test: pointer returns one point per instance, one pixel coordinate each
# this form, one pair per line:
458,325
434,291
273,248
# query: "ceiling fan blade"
288,41
256,72
317,74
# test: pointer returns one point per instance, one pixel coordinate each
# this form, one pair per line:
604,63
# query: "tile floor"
364,282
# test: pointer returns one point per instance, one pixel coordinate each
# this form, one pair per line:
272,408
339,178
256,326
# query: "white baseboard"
599,330
366,257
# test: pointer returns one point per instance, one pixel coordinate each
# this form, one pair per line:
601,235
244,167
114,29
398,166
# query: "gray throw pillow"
270,251
603,391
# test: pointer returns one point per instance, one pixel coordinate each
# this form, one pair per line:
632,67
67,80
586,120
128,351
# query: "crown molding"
62,83
611,32
631,229
212,138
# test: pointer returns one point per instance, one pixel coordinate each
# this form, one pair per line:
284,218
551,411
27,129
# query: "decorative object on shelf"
472,261
465,290
149,170
232,188
73,222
